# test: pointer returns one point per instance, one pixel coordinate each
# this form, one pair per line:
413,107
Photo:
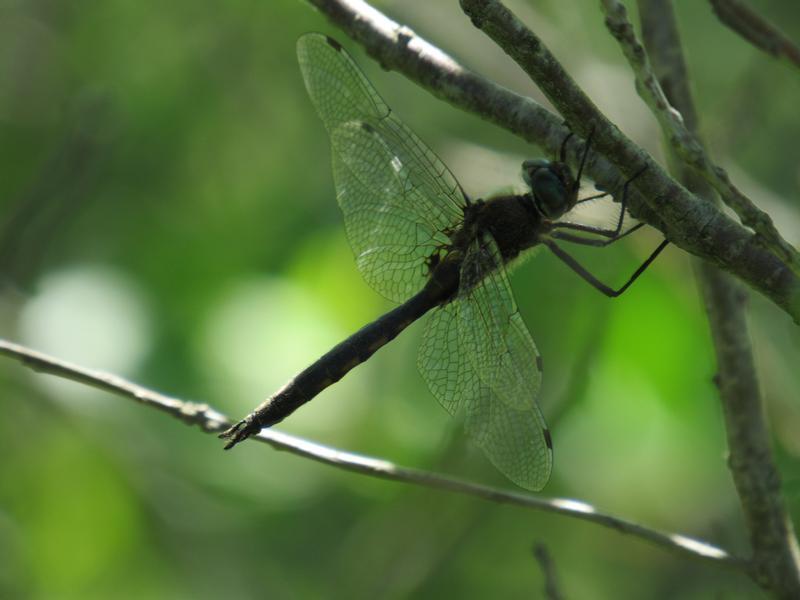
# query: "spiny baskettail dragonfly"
419,240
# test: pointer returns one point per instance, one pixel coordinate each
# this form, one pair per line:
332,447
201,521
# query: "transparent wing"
478,357
512,439
397,197
443,362
390,239
493,332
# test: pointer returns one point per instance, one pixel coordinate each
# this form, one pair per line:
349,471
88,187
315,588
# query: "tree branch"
685,143
696,226
212,421
775,552
552,589
756,29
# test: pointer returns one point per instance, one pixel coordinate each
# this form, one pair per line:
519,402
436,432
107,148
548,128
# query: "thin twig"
754,472
212,421
552,589
685,143
776,558
756,29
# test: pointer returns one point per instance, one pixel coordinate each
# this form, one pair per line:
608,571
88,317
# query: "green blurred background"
168,214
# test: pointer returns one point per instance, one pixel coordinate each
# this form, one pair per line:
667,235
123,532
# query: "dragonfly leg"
562,155
577,239
591,279
609,233
590,198
583,159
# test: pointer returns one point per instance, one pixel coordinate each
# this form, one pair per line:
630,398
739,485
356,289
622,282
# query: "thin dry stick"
685,143
212,421
552,589
757,480
756,29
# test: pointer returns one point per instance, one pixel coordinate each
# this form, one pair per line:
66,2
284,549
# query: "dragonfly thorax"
553,187
514,222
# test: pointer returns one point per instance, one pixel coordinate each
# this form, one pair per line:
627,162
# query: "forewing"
477,357
337,87
397,197
390,238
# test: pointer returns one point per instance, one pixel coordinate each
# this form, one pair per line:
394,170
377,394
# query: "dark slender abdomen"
350,353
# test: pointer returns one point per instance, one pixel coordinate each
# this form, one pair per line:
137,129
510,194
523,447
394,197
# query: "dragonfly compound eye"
529,167
549,192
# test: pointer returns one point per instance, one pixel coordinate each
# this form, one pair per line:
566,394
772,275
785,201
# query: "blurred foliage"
168,214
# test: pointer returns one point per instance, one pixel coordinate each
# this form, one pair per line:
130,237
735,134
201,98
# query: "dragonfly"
420,241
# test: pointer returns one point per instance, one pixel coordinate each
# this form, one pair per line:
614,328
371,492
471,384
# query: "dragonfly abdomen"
345,356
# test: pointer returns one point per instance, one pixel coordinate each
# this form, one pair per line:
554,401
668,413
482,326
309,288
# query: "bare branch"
685,143
775,553
552,589
211,421
756,29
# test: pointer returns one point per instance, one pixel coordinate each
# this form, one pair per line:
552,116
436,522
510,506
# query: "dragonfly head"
552,185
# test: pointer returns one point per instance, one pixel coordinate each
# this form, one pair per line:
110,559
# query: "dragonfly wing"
513,439
397,197
494,335
390,238
506,422
337,87
443,362
478,357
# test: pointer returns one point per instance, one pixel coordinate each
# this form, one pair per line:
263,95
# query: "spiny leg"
583,159
597,243
591,279
610,233
613,235
562,155
590,198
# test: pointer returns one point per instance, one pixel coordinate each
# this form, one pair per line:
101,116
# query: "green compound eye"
549,192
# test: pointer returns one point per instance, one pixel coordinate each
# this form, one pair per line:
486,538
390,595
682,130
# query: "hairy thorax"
512,220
